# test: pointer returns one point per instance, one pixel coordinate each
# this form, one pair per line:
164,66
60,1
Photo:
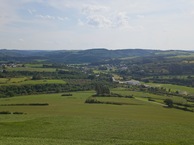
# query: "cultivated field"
68,120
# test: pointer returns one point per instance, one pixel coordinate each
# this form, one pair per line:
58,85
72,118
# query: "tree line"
16,90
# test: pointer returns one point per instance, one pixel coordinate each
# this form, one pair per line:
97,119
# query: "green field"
34,65
68,120
36,69
144,96
25,80
189,90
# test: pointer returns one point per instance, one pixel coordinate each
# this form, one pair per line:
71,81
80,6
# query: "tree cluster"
15,90
101,89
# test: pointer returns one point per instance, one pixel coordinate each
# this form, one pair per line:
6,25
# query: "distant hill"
79,56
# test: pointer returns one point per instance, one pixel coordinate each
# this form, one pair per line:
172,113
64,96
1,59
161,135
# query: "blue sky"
84,24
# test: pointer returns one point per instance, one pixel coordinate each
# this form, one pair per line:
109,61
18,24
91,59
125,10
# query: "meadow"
68,120
27,80
35,68
179,88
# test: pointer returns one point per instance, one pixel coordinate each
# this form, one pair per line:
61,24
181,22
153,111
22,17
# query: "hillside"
80,56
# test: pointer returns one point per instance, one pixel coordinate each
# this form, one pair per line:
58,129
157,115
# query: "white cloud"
99,21
90,9
31,12
62,19
46,17
104,17
95,16
122,20
51,18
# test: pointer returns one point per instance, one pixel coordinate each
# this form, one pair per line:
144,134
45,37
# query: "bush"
18,113
184,108
150,99
30,104
92,100
129,96
10,94
66,95
36,77
5,112
113,95
168,102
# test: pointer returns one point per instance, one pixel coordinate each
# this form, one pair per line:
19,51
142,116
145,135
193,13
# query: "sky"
86,24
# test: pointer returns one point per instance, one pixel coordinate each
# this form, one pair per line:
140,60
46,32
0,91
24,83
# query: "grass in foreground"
68,120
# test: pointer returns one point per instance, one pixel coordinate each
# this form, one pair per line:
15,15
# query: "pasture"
179,88
34,69
26,80
68,120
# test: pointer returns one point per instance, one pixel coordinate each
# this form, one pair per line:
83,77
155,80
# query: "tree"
168,102
10,94
101,89
36,77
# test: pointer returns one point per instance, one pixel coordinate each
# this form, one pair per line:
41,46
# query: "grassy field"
25,80
183,56
36,69
190,90
34,65
144,96
68,120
